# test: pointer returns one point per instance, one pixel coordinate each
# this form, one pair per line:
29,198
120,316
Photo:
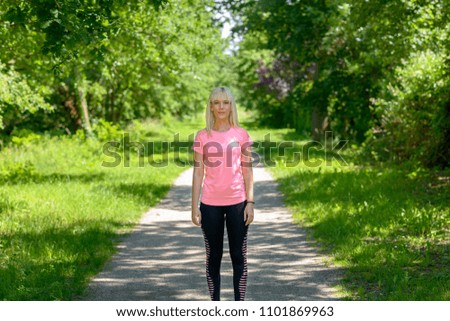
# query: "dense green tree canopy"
114,60
372,71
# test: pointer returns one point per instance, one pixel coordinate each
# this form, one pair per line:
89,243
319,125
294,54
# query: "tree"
16,97
113,60
348,66
293,31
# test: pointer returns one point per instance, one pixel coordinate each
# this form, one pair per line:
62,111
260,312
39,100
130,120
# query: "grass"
388,225
62,212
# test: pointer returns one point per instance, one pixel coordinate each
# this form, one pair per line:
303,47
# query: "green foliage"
161,60
416,114
17,98
123,60
248,60
332,63
282,41
62,213
69,25
388,226
106,131
17,172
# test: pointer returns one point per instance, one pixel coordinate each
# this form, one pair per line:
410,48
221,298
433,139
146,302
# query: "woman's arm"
247,172
197,180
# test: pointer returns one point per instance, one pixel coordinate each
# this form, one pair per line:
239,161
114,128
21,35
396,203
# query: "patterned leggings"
213,221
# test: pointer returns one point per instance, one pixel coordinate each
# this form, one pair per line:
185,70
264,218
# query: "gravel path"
163,259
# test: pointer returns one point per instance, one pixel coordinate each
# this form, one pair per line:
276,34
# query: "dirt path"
163,259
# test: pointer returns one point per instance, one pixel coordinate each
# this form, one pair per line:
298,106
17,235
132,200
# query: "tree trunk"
113,105
70,107
84,108
82,100
315,123
318,115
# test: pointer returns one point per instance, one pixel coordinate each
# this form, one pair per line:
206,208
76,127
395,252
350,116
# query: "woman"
222,156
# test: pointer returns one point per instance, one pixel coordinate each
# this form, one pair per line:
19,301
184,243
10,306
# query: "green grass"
62,212
387,225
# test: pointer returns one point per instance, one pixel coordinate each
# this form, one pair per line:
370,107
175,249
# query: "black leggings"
213,221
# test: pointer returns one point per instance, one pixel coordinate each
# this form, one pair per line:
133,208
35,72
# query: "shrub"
106,131
415,114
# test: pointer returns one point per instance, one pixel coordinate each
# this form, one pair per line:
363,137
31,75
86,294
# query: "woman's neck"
221,126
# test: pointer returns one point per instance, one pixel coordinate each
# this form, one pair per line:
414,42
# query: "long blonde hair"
221,93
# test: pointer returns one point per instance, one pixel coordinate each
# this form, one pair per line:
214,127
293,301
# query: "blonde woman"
224,178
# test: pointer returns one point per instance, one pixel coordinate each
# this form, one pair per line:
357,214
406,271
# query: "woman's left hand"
248,213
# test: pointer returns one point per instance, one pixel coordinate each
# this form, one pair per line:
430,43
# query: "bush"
17,97
106,131
415,114
18,172
24,137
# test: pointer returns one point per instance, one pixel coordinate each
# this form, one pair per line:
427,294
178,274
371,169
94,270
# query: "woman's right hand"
196,216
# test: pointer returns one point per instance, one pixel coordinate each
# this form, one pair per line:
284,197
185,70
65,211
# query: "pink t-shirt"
222,152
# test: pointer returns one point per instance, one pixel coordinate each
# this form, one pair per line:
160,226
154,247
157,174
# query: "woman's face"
221,109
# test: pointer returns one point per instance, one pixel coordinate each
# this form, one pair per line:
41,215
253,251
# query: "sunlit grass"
62,212
387,225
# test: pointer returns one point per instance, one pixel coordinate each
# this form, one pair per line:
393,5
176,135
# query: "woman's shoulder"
243,135
201,133
241,131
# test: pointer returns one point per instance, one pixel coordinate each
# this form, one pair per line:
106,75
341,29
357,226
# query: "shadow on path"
163,259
